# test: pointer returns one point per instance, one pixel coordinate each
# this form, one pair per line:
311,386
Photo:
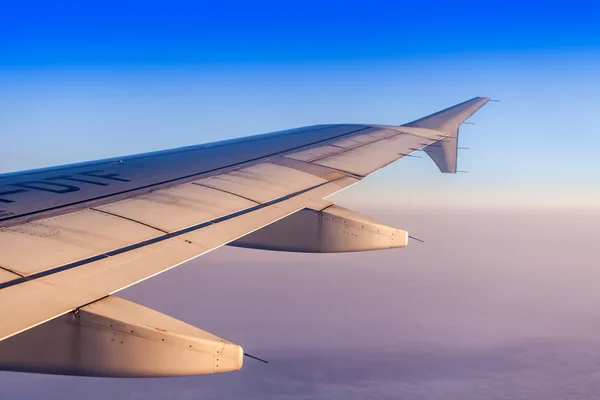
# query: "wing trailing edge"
448,121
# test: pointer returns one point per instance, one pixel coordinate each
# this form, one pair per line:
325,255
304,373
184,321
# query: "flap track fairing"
332,230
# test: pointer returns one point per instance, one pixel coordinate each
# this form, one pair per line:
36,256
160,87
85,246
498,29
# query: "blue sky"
496,304
146,34
83,81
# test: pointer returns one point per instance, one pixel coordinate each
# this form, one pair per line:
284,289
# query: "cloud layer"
493,305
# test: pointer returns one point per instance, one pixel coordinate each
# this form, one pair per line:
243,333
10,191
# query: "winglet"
447,122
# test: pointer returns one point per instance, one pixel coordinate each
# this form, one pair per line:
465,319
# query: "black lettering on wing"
51,187
101,174
8,192
70,178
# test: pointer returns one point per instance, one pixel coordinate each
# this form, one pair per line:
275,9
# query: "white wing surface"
72,236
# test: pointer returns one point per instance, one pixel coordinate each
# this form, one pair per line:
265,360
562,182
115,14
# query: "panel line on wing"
262,182
225,191
373,135
158,239
19,217
165,152
11,271
358,144
371,156
128,219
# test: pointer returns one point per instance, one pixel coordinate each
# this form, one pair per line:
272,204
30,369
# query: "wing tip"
448,121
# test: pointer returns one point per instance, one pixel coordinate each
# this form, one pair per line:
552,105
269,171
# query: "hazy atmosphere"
502,299
493,305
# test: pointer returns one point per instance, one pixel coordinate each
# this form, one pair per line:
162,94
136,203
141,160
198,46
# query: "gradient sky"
495,305
84,81
500,302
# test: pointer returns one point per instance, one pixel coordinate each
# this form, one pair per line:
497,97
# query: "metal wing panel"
373,134
313,153
370,157
31,303
179,207
344,143
6,276
381,132
44,244
449,119
229,167
69,238
76,236
364,153
262,182
30,193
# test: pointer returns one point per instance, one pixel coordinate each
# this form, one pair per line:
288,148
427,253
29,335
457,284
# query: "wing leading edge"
55,264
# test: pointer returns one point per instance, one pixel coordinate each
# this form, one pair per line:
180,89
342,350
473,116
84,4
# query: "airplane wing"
73,236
